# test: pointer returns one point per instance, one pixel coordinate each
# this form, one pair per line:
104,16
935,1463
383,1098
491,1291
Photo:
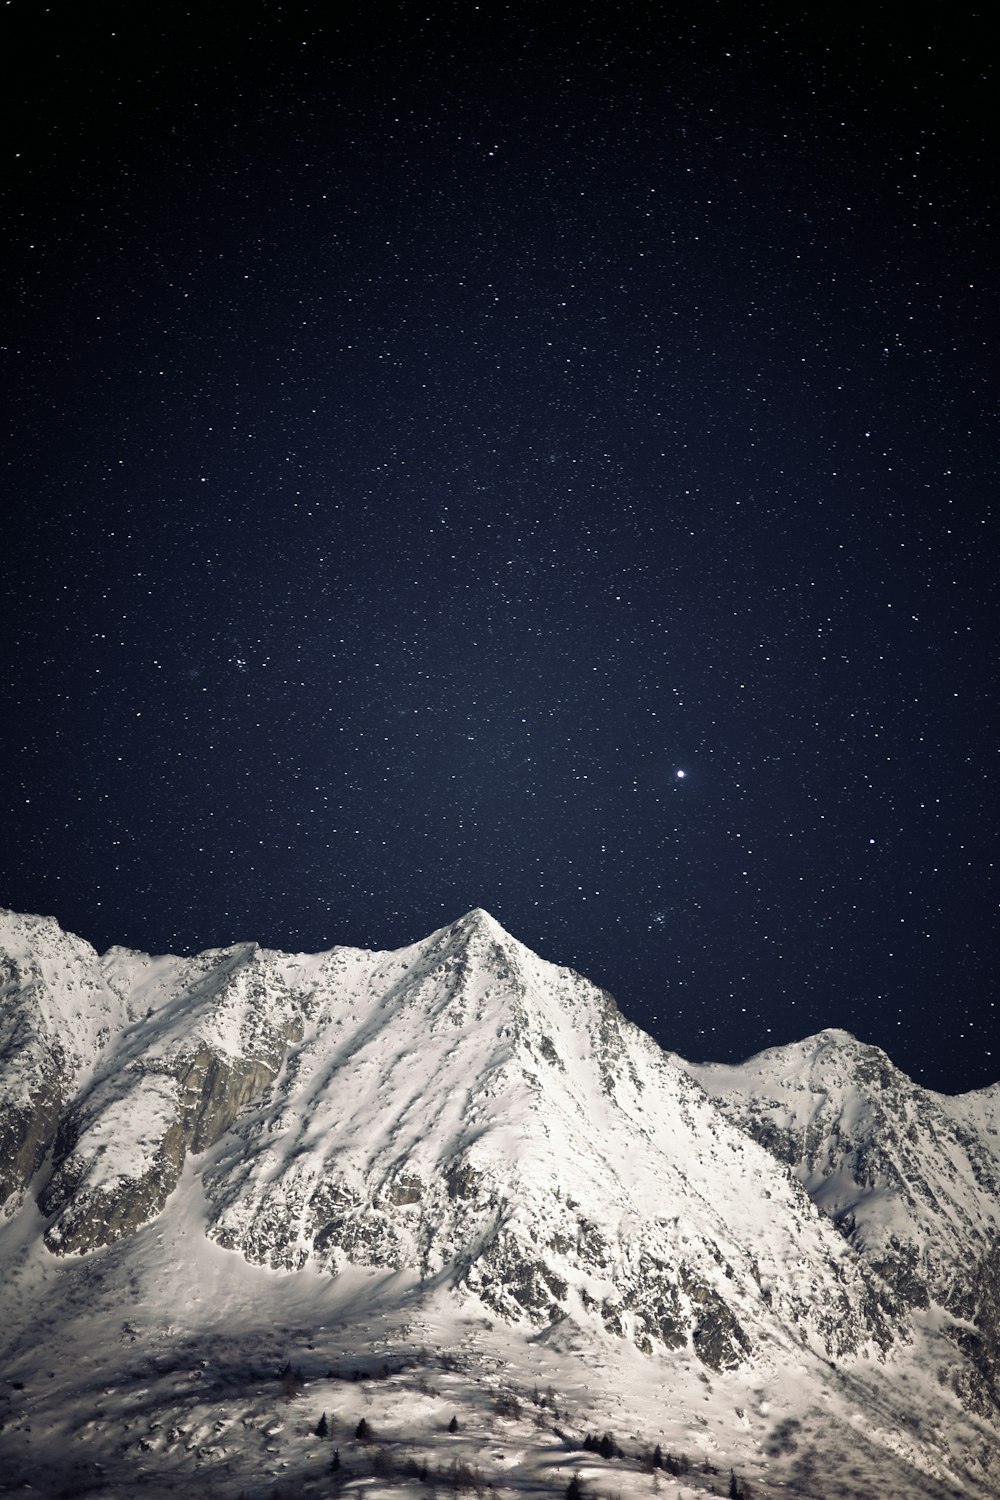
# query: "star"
449,672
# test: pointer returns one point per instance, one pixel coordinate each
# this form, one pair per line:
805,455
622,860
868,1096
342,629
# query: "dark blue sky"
430,431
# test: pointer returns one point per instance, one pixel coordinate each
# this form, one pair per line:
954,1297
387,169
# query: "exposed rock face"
27,1131
174,1085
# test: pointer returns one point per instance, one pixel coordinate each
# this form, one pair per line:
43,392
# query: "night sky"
531,457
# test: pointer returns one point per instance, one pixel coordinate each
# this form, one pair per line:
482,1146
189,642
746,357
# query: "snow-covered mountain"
910,1177
462,1138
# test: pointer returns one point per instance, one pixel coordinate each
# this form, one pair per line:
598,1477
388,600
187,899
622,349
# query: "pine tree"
362,1432
657,1457
734,1486
322,1426
453,1425
574,1490
606,1447
335,1460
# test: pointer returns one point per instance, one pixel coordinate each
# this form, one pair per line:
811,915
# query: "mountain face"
120,1066
57,1015
458,1111
462,1119
911,1178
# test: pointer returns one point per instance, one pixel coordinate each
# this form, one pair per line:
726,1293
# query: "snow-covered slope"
211,1037
57,1013
463,1110
459,1110
460,1135
910,1177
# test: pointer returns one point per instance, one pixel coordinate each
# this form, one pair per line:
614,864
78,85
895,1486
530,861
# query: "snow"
899,1163
61,997
459,1171
124,1140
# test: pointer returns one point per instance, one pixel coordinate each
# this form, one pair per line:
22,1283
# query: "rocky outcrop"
27,1131
93,1201
975,1303
120,1149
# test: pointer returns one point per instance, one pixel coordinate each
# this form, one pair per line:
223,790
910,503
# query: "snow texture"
458,1167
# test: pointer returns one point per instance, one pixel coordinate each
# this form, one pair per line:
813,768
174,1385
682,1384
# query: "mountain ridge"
461,1119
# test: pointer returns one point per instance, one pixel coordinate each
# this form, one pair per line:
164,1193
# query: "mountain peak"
479,919
478,936
837,1035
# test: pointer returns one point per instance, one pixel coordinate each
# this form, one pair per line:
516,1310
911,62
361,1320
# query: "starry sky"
480,455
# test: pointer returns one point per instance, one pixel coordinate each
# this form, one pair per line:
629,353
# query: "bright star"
681,775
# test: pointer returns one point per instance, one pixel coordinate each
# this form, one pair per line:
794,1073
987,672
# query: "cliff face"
171,1083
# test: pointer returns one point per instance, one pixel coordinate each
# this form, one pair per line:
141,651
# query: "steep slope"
910,1177
57,1013
211,1037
